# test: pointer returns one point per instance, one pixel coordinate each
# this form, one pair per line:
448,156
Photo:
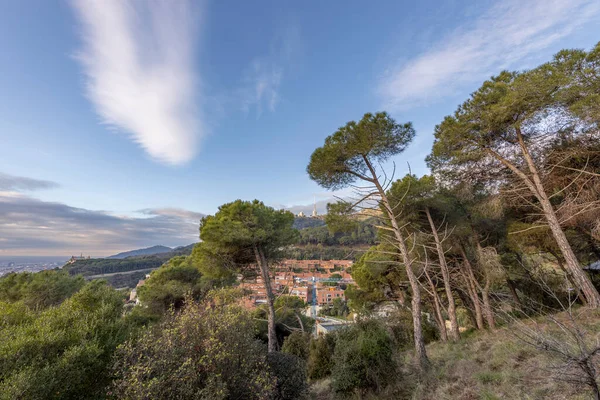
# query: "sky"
123,122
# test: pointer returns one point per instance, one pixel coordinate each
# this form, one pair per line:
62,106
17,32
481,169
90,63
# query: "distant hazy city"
29,264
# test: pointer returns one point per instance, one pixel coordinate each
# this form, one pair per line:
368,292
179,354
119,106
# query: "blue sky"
122,121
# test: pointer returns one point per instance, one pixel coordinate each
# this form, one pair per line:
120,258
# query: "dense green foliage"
62,352
362,233
307,222
206,351
290,376
39,290
363,359
341,160
319,252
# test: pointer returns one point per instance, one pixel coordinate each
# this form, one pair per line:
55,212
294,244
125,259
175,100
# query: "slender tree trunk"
580,296
454,331
572,264
487,307
472,288
485,291
420,351
468,303
513,292
264,269
438,309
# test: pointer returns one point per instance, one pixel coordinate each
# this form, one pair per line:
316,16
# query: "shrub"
320,357
63,352
290,374
206,351
297,344
401,326
363,359
39,290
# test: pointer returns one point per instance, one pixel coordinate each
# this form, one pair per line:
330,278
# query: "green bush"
63,352
39,290
297,344
290,374
320,356
401,327
208,351
363,359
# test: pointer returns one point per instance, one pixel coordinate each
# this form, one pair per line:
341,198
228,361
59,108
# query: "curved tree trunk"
485,291
468,303
572,264
472,288
264,270
420,351
454,331
438,309
513,292
487,307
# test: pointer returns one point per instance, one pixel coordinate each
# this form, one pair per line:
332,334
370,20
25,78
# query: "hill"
101,266
307,222
143,252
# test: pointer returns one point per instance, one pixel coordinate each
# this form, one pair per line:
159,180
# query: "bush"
63,352
401,327
290,374
208,350
363,359
39,290
297,344
320,356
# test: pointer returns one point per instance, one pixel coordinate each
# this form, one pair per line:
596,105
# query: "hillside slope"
148,251
500,365
99,266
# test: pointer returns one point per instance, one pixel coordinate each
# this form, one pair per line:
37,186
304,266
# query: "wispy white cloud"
138,59
510,31
263,77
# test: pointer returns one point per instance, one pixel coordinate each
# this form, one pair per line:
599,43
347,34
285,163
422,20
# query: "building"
328,325
304,292
326,295
76,258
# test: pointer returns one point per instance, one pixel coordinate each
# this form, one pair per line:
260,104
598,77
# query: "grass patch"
489,377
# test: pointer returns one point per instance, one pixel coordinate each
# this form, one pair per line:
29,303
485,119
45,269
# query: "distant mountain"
143,252
100,266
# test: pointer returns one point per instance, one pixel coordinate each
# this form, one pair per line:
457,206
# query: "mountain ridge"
147,251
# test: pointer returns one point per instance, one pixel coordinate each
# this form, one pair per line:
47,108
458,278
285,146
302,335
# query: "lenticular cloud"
138,58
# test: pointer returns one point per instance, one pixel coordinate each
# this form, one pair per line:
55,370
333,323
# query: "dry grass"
485,366
496,365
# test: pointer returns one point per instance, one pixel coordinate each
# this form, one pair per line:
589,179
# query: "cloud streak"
262,79
29,226
20,183
508,32
138,59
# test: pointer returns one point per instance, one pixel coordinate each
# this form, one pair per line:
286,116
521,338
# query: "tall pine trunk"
487,306
572,264
437,304
472,288
485,291
454,331
420,351
264,269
